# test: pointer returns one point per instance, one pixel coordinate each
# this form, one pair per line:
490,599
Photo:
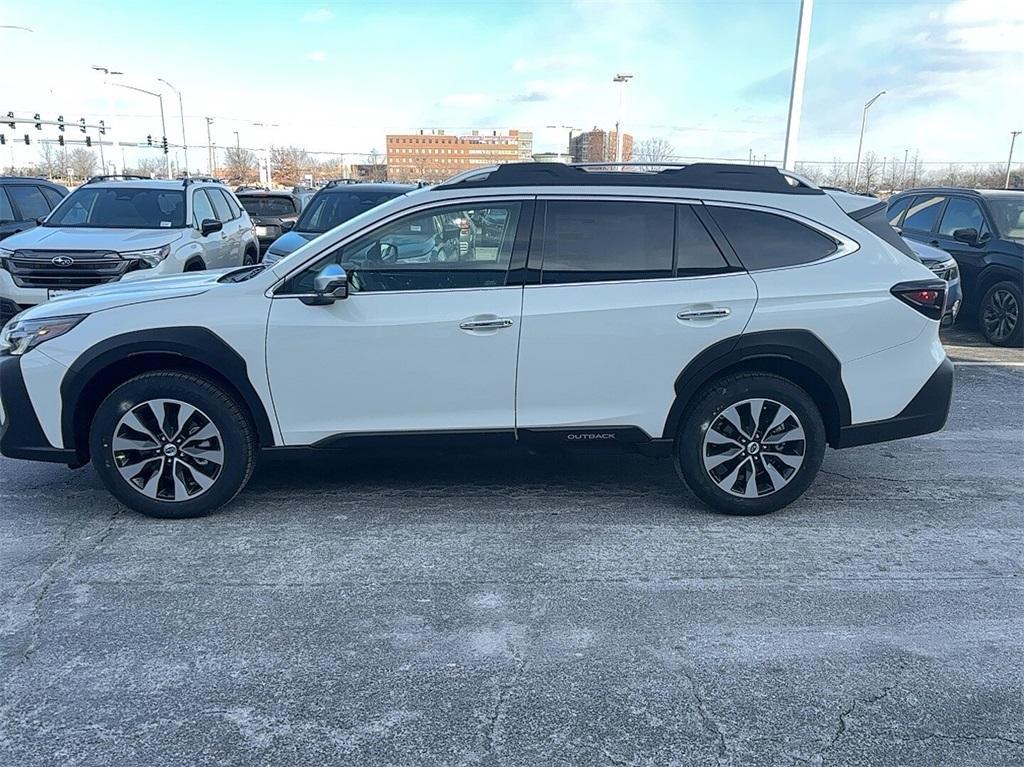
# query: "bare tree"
149,166
652,150
240,166
47,157
81,163
378,169
290,164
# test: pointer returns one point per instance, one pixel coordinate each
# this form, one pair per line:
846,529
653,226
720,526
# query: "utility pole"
621,79
796,91
209,148
860,143
1009,162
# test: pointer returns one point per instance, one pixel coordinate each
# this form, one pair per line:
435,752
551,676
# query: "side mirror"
287,224
330,285
969,236
209,226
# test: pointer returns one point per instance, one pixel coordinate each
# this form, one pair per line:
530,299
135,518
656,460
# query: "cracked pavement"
400,608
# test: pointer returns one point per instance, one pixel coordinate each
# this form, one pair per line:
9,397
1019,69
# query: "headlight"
4,252
19,336
151,257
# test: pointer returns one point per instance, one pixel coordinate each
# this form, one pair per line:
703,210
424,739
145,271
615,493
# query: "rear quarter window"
770,241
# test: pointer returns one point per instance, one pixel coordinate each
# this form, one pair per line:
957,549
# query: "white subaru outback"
121,228
735,318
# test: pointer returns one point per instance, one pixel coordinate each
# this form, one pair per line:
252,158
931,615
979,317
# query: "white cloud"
320,14
316,56
464,99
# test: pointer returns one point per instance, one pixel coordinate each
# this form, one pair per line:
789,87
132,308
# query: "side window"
436,249
29,201
961,213
896,210
696,252
923,213
220,205
53,197
232,205
6,212
767,241
593,241
201,208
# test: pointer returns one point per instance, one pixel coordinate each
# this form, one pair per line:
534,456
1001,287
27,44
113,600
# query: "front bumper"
21,436
926,413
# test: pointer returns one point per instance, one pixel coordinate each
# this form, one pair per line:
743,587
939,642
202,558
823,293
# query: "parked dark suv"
984,231
333,205
273,213
23,200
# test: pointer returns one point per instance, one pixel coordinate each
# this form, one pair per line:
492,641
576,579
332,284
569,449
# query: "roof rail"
119,176
186,180
745,178
340,182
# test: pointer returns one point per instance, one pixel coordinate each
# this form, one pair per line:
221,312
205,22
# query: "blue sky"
710,77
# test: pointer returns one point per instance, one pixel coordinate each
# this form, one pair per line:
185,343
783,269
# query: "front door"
964,213
629,293
425,342
213,243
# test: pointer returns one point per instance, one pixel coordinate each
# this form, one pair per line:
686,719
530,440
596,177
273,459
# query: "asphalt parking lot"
517,609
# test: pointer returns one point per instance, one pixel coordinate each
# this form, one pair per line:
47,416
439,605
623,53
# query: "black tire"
236,435
718,397
250,258
195,266
1000,314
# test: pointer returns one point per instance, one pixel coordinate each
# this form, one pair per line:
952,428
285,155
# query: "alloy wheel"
1001,315
754,448
168,450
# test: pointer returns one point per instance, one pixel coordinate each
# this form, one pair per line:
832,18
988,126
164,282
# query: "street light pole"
1009,162
796,92
181,111
621,79
860,143
163,123
209,148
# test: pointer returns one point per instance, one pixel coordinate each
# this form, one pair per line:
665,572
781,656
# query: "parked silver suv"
126,227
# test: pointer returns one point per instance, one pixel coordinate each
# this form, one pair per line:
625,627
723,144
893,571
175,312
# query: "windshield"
1008,213
268,206
329,209
121,208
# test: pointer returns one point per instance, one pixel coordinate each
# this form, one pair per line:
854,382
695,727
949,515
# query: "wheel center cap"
753,448
170,450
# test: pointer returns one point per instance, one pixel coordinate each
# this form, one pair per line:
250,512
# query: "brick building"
599,146
436,155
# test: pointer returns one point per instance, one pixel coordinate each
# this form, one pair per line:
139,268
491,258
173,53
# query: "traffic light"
164,144
10,116
39,125
103,128
149,139
60,140
60,123
3,139
88,140
27,140
81,124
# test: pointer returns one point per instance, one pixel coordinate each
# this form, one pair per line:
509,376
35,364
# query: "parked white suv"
126,227
735,318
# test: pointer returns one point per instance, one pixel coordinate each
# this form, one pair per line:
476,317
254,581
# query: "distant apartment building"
552,157
436,155
599,146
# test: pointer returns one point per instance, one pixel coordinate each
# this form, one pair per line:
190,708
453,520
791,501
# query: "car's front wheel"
1000,314
750,444
172,444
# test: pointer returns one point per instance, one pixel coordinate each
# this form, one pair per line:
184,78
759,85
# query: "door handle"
704,314
495,324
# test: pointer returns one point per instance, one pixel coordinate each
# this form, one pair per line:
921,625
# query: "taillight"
927,296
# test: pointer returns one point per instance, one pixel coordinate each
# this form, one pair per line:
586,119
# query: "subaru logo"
62,261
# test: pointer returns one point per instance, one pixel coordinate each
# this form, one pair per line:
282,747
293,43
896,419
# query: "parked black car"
272,213
335,204
24,200
984,231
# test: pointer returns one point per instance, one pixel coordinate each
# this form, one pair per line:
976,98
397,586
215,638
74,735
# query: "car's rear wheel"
172,444
250,257
751,443
1000,314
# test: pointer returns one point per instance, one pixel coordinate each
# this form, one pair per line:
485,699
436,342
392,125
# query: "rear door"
621,295
231,250
922,216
